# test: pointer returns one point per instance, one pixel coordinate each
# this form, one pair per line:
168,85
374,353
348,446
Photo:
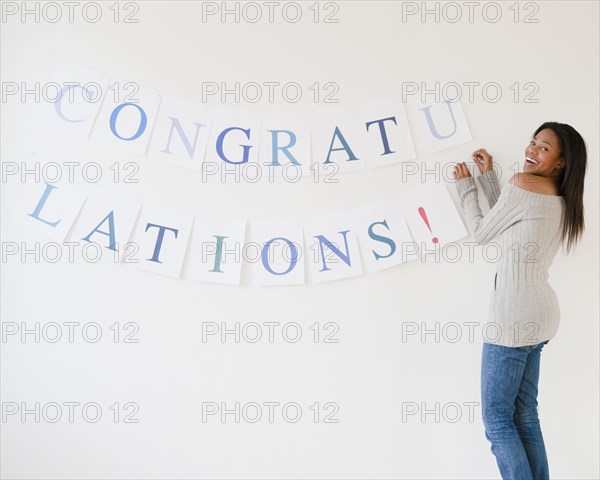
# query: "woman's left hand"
461,171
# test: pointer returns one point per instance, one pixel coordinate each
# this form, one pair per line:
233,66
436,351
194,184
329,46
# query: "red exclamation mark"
424,217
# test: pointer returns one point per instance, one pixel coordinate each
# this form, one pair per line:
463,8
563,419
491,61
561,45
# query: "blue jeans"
509,380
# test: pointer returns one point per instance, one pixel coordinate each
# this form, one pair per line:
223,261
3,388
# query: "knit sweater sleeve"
507,210
491,186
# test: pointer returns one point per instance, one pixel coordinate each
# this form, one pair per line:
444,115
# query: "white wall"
371,372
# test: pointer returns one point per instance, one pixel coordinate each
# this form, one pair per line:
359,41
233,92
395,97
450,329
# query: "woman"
538,209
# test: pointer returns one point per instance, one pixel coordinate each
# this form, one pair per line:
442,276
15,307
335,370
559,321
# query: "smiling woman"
543,163
536,210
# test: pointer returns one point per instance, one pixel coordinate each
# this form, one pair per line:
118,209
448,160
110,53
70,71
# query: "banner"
183,133
271,251
116,227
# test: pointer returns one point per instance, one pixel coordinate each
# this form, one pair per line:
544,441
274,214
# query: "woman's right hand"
483,160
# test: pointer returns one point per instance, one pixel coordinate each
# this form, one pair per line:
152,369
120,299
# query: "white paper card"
72,96
160,239
106,219
51,208
337,138
180,135
383,236
285,144
331,246
234,138
387,134
127,117
431,216
216,249
437,125
277,253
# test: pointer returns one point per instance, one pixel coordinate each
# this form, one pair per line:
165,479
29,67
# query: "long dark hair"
573,152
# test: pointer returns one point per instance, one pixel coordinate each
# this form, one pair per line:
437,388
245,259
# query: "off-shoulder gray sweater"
526,227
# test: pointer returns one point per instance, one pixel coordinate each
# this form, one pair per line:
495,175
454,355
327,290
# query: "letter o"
115,114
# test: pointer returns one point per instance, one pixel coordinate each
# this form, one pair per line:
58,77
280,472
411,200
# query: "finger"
480,154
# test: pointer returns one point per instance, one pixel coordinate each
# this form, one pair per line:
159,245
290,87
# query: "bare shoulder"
523,180
533,183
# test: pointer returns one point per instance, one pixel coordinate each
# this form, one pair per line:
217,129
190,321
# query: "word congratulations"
189,134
